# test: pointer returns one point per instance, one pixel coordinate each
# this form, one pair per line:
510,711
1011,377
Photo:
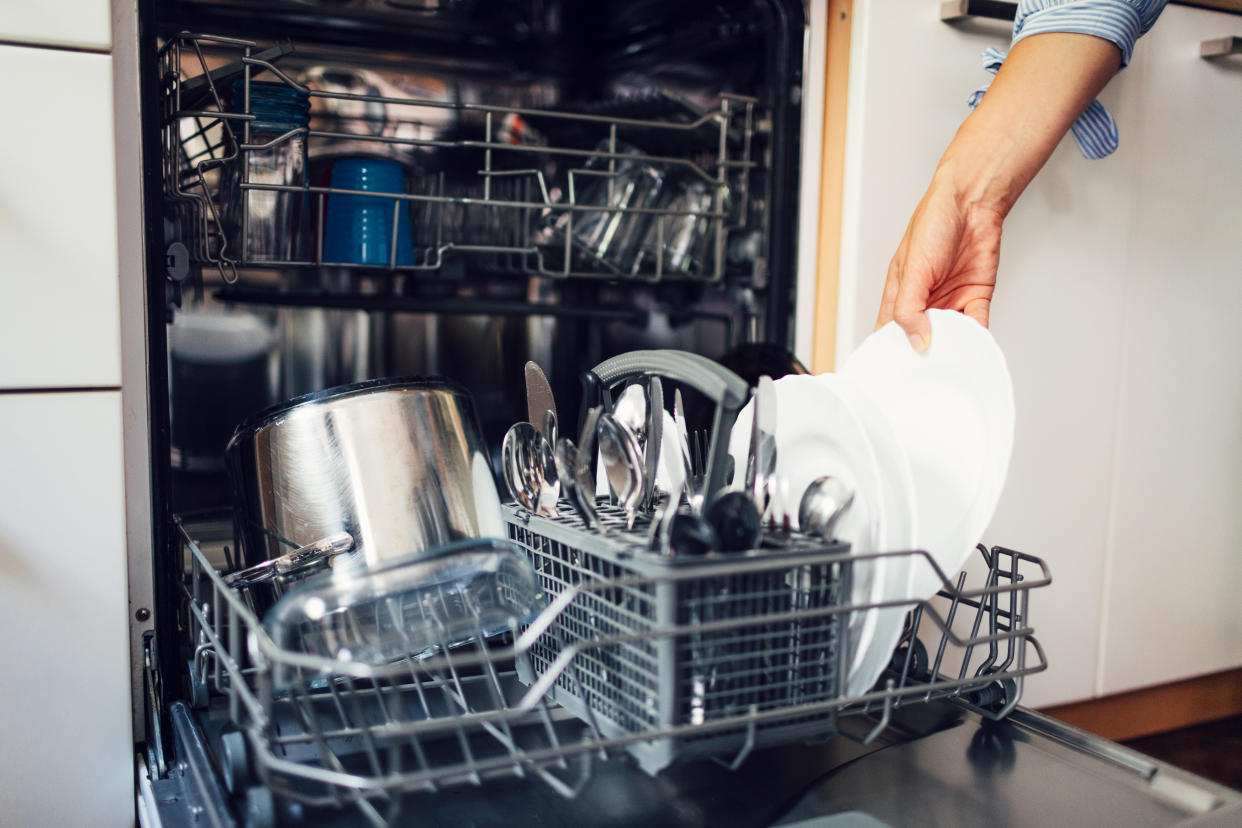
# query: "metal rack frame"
360,735
199,142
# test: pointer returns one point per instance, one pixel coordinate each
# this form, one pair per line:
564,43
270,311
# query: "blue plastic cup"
358,228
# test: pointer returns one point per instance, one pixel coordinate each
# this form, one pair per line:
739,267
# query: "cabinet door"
1057,313
64,689
1173,605
79,24
59,308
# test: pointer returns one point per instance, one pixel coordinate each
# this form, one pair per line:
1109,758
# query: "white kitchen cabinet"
59,318
1058,308
64,704
1173,596
76,24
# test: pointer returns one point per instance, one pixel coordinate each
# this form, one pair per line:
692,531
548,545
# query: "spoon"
823,503
631,411
541,464
566,456
583,475
510,466
622,464
530,469
550,429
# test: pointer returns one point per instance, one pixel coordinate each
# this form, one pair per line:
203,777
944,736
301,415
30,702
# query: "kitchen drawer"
64,688
78,24
59,323
1173,607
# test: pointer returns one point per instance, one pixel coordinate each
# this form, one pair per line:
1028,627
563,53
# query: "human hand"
947,259
949,254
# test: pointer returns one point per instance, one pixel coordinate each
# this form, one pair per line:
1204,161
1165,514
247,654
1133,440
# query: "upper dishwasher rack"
601,194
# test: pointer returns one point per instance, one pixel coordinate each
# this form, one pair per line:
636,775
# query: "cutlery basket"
673,644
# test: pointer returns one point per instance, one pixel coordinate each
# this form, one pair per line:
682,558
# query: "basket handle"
723,387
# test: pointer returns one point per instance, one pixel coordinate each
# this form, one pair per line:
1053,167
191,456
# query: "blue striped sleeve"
1122,22
1119,21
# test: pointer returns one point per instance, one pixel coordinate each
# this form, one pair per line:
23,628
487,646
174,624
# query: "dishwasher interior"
345,191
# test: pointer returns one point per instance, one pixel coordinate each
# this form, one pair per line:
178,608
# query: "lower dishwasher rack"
532,704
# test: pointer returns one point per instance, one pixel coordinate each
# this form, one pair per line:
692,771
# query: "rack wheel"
198,687
259,810
919,663
235,761
996,695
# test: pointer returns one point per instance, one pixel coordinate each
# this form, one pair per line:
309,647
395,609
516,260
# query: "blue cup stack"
358,229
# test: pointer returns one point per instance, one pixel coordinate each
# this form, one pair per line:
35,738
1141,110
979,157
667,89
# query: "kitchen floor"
1212,750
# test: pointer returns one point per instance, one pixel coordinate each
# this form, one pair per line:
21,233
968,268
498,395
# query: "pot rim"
266,416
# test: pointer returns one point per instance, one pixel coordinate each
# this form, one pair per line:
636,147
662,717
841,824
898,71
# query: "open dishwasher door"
936,765
463,737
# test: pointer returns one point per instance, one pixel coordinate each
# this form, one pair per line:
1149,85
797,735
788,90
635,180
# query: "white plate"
952,409
818,434
900,525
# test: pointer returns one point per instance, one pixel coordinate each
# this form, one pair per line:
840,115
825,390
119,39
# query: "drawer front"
59,305
78,24
64,689
1172,605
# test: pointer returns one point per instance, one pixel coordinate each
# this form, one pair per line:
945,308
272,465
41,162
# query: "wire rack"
607,194
535,704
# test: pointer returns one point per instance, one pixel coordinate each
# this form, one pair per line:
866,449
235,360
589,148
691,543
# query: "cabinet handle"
954,11
1220,47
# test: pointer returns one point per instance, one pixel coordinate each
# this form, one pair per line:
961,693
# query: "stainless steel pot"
398,464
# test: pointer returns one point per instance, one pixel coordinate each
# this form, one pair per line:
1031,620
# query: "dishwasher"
347,190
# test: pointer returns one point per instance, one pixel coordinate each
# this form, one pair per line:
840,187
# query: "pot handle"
300,558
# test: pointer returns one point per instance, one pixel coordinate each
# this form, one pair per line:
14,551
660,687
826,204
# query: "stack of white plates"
924,440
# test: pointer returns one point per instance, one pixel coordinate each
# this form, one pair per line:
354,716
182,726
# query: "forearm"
1045,83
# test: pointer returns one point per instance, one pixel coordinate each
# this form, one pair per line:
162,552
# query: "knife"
761,461
539,402
592,395
683,440
655,427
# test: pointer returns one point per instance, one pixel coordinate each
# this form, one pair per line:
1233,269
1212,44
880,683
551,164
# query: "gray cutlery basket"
656,644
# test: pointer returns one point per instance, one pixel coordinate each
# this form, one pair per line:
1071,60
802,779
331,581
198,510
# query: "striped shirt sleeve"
1119,21
1122,22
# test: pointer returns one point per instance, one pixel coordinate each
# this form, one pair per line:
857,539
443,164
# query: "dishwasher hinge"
154,692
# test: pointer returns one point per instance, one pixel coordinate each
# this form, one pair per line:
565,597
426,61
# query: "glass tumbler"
262,224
